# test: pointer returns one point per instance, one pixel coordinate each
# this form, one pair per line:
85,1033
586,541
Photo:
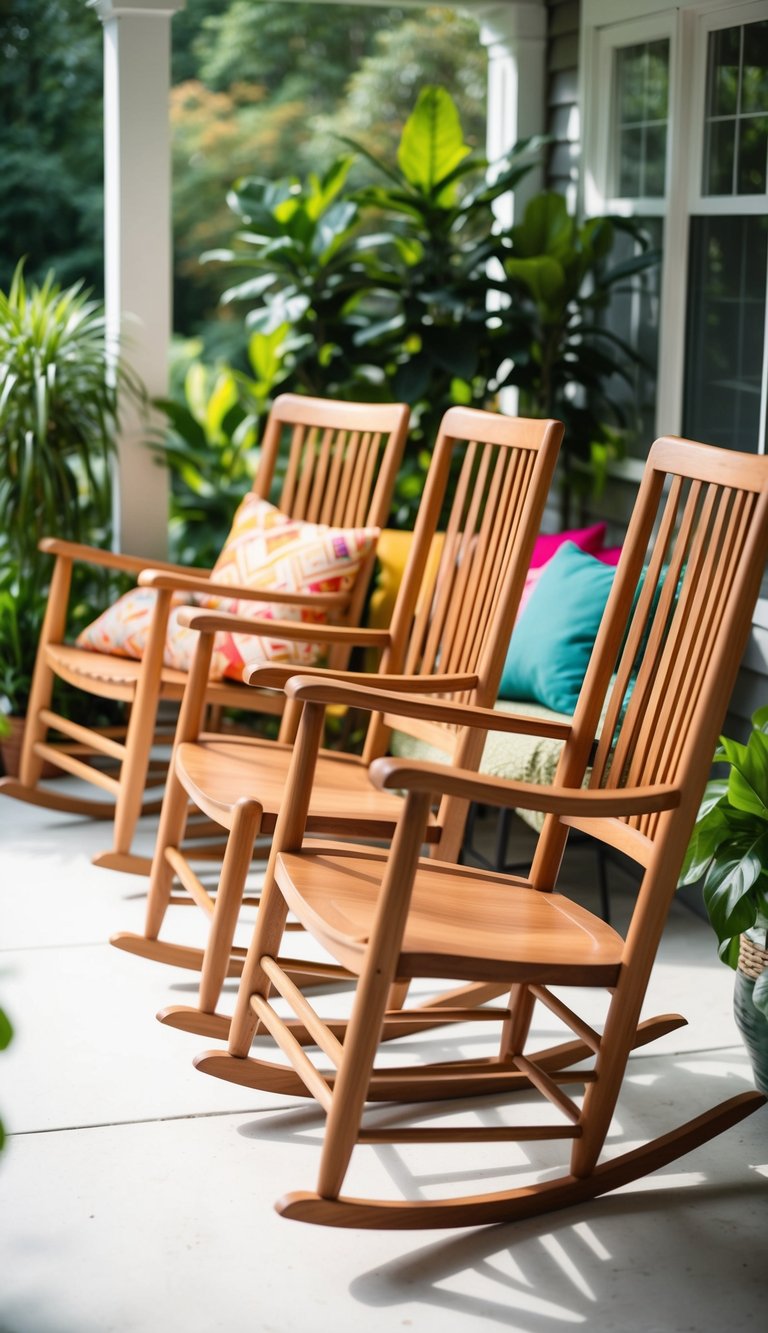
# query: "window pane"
737,111
719,156
754,88
641,101
633,314
753,144
725,333
630,162
724,64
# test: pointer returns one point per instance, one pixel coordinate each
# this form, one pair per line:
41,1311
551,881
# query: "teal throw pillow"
556,631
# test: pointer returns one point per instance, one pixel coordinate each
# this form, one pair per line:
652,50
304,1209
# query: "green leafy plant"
6,1032
210,444
308,265
563,358
59,384
409,287
728,850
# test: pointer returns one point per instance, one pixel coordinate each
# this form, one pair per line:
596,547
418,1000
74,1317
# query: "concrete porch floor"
137,1194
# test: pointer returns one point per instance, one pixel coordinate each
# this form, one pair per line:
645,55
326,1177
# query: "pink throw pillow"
611,555
587,539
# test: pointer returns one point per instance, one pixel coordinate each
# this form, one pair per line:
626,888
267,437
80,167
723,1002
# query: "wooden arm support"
157,577
417,775
307,690
129,564
211,621
274,677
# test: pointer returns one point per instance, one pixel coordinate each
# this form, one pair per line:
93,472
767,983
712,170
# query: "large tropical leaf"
432,143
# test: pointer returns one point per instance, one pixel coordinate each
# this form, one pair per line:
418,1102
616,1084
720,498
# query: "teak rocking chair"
341,463
448,635
667,668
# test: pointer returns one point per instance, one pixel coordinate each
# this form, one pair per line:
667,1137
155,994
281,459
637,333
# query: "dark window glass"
725,330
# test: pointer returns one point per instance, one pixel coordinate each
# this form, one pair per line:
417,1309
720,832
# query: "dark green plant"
6,1032
728,850
211,444
59,382
309,267
411,288
563,358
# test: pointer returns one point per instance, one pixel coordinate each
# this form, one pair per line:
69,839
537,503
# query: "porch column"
138,247
514,35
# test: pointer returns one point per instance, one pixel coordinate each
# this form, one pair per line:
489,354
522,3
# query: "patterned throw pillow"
266,550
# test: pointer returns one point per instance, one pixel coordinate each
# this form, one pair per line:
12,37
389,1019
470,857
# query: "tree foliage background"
258,86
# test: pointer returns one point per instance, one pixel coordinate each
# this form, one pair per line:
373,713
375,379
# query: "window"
686,150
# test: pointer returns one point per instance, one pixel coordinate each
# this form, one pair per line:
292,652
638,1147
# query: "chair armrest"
276,677
417,775
131,564
307,690
184,581
211,621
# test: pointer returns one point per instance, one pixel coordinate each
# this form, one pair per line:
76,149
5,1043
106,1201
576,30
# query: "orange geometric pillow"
266,550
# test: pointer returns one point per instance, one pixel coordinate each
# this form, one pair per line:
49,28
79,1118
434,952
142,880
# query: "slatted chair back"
320,465
454,616
669,649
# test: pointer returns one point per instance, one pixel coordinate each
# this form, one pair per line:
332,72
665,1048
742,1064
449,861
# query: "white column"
514,35
138,246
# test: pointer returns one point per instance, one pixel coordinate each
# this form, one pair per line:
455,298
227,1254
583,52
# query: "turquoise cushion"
554,636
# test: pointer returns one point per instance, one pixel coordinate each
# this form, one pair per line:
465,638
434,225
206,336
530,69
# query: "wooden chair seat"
510,930
117,677
120,677
326,462
219,774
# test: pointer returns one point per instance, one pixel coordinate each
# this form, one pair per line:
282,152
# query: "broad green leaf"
432,142
732,751
221,401
543,276
6,1031
707,836
714,792
748,779
265,352
727,889
546,228
760,718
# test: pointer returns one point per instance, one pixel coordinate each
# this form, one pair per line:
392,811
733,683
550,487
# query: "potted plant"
729,853
59,385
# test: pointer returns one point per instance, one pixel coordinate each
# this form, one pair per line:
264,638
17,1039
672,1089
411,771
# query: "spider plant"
59,385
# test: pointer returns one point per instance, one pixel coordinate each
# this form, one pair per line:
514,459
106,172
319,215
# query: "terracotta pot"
10,751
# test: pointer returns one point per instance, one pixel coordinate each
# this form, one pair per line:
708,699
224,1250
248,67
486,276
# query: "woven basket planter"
752,1024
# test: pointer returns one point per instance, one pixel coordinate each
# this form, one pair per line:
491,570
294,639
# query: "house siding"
562,110
615,503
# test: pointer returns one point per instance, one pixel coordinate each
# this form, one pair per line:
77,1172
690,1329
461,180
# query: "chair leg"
234,870
30,764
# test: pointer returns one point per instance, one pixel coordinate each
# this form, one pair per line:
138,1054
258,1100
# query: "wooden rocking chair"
667,668
448,635
341,464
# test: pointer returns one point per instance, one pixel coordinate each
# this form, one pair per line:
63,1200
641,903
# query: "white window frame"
606,26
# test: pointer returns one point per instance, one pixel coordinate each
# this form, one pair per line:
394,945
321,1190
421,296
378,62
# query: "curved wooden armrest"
131,564
432,710
183,581
418,775
211,621
276,677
